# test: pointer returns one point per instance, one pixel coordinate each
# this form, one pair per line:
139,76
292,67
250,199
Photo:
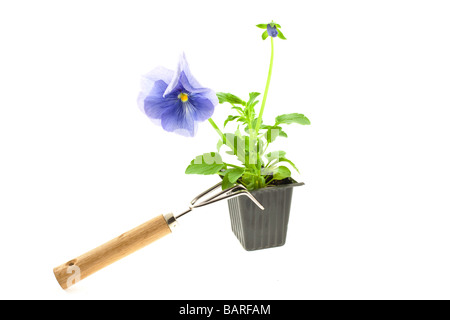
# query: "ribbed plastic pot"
260,229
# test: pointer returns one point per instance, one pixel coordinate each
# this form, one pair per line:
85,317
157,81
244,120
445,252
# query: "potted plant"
176,101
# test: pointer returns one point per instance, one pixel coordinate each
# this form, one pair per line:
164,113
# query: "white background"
80,164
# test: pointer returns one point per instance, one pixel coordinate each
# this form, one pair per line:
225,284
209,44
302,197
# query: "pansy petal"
179,120
272,30
210,95
183,68
186,83
148,81
187,72
159,73
202,107
154,104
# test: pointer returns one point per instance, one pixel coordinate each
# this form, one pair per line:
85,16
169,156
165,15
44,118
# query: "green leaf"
228,97
253,96
281,173
274,132
230,139
249,114
281,35
226,183
230,177
235,143
252,182
248,181
239,109
208,163
234,174
283,159
249,111
280,156
292,118
265,35
274,155
239,146
219,145
230,118
254,121
262,25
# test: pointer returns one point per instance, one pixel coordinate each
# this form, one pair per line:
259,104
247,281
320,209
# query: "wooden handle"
77,269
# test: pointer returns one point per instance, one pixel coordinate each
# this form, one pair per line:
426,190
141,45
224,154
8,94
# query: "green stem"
263,103
231,165
214,125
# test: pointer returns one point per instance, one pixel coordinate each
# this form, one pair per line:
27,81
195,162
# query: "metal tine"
231,192
205,193
231,189
248,194
229,196
234,191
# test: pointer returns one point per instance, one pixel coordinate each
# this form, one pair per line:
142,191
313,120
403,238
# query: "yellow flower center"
183,97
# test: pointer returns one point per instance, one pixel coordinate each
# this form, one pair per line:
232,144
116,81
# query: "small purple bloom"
272,31
175,99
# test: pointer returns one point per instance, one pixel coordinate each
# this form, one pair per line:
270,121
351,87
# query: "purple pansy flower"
272,30
175,99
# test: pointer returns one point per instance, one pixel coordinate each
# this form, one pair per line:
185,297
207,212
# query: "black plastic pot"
260,229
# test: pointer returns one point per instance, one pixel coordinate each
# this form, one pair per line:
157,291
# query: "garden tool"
92,261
